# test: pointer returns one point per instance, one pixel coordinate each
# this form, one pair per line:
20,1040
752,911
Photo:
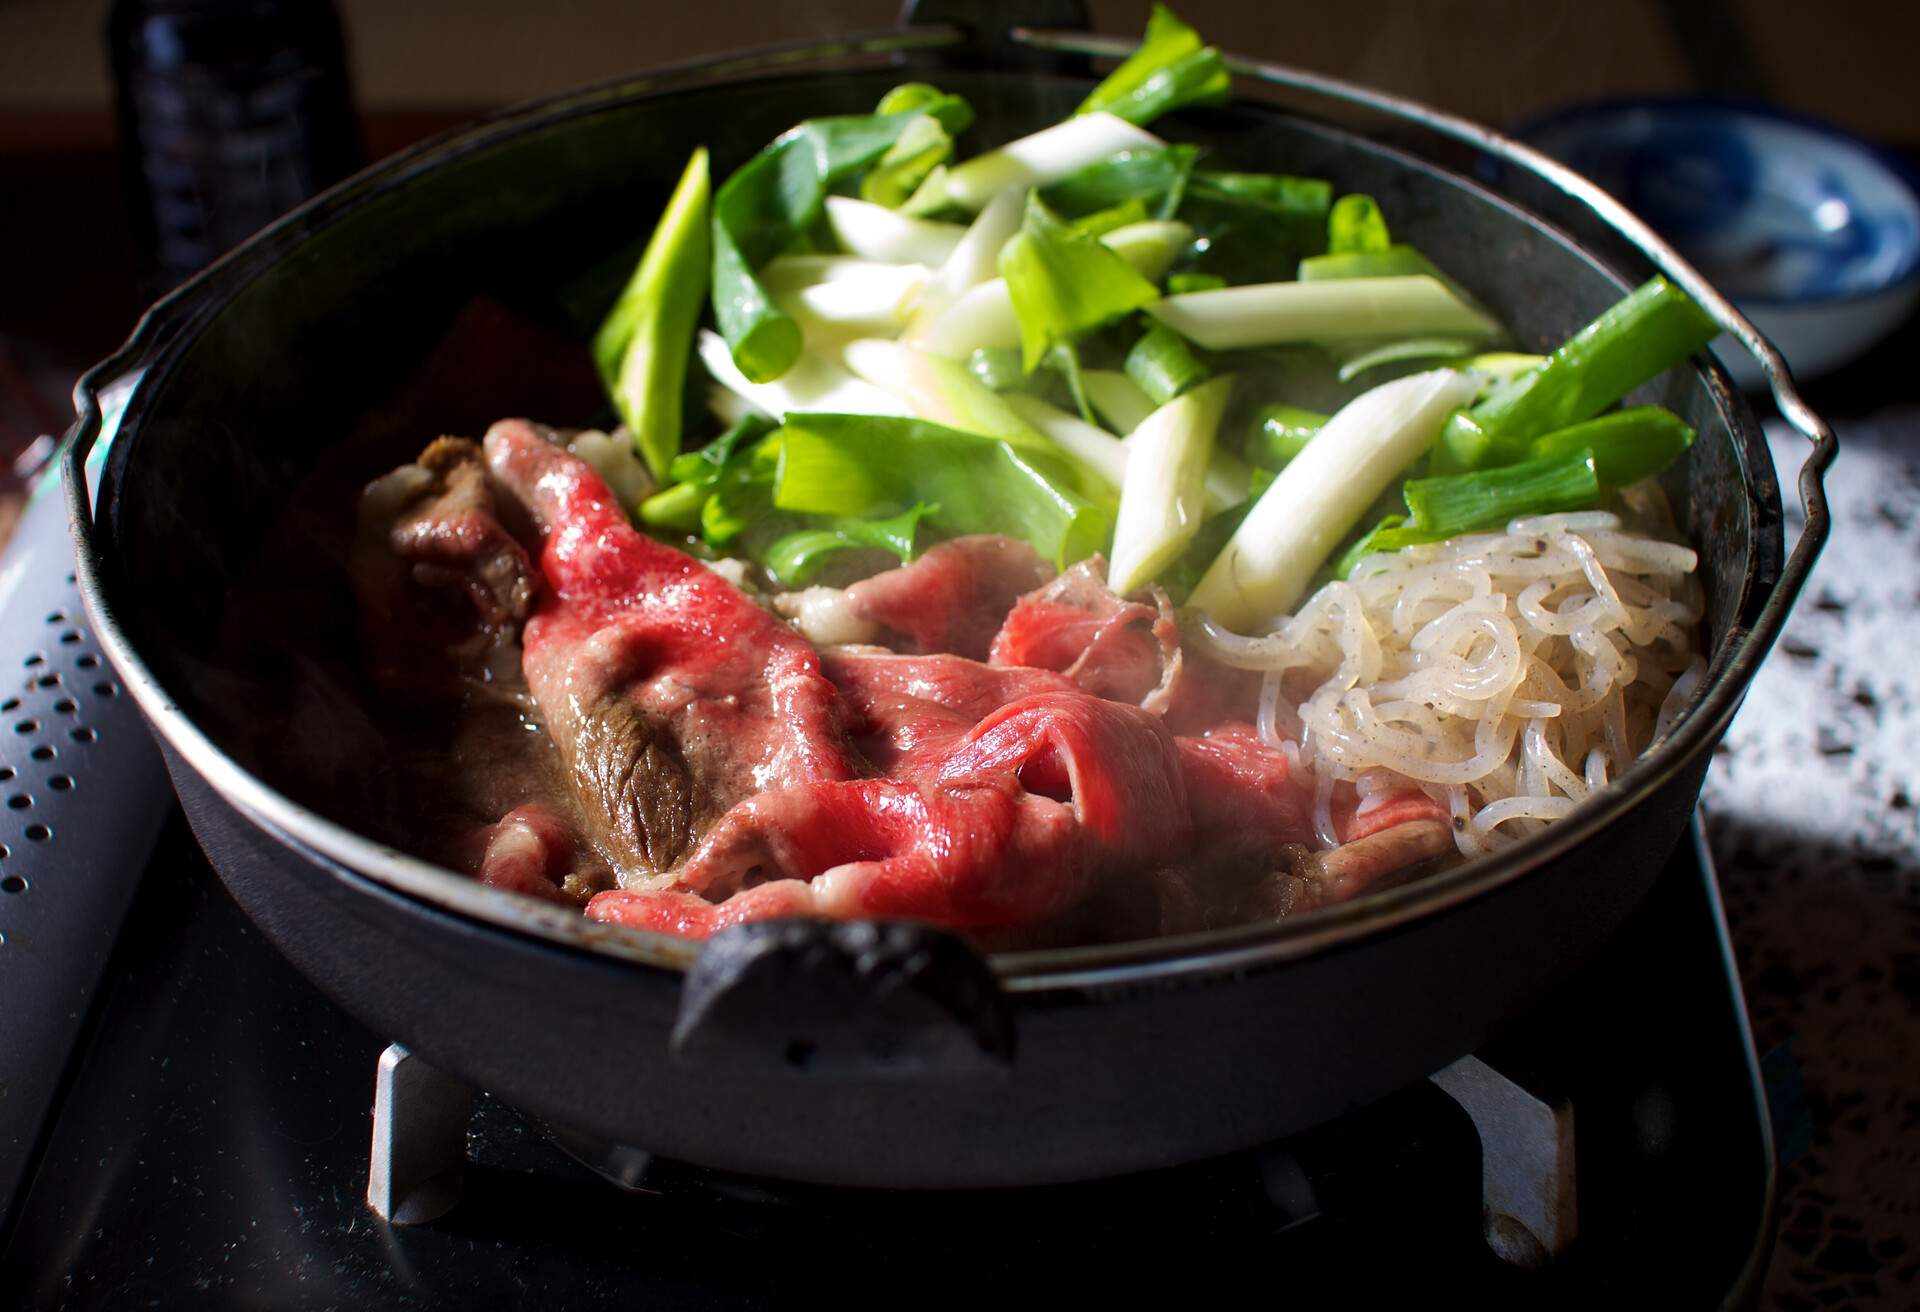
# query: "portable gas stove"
187,1121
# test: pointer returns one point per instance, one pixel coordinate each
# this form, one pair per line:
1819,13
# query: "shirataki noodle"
1510,674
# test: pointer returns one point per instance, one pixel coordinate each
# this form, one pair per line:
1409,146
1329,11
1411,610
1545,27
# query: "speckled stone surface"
1811,808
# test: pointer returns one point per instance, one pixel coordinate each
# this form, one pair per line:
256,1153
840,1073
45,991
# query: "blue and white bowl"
1813,233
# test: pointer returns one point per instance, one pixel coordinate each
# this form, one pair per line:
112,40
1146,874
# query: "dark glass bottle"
231,112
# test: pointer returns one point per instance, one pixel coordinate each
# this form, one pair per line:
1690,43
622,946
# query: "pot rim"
175,320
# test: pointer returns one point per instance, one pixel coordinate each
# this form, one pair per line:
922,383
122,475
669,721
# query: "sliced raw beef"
670,696
1012,824
953,598
1128,649
903,710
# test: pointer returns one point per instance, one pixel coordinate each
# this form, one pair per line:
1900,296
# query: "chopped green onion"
702,468
1627,446
997,366
1163,366
1400,261
1157,178
943,392
1321,495
834,297
643,345
742,497
1171,68
1255,227
1440,508
1648,331
984,315
1150,247
772,201
1064,284
1183,575
924,146
863,466
1194,282
795,559
1102,222
1500,365
677,508
1064,359
1459,502
1282,432
1356,224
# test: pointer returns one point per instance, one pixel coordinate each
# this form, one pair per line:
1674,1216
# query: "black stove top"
211,1149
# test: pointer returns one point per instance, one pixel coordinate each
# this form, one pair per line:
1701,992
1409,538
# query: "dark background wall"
1851,60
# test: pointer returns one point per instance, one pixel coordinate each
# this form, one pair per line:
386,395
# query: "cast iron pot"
865,1053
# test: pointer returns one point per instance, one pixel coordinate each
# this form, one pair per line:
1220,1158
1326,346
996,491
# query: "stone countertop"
1811,817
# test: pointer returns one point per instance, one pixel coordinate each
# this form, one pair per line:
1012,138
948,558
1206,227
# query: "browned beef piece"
670,696
443,583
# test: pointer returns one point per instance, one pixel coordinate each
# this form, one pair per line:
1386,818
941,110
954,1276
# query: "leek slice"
1627,446
1171,68
1270,314
874,232
811,384
1162,501
1322,493
1228,477
1094,447
983,317
1643,334
774,200
863,466
1045,157
1064,283
643,345
1116,399
1163,366
943,392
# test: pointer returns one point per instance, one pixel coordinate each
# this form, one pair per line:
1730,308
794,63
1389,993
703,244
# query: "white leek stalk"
984,315
874,232
1163,498
1045,157
941,391
1116,398
975,260
1322,493
1150,246
1094,447
812,384
1268,314
1228,476
840,295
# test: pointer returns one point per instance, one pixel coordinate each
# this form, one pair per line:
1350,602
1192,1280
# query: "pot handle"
1792,407
863,999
